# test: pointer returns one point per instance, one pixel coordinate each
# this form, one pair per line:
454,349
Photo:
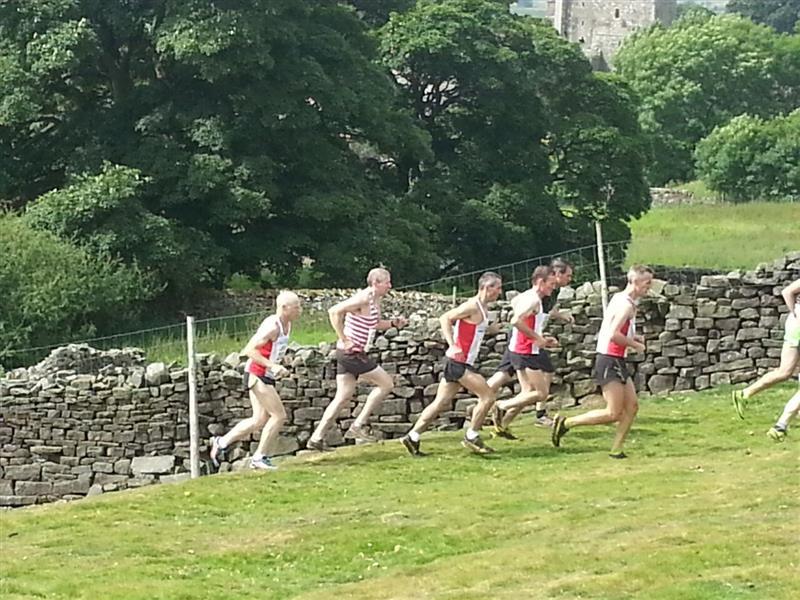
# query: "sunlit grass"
705,507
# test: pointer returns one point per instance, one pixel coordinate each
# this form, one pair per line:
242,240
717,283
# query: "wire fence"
517,275
223,335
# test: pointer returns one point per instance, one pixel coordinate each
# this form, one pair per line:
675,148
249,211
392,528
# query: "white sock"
257,456
413,435
472,434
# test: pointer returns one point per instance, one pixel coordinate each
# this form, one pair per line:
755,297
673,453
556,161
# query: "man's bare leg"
629,410
790,356
345,388
383,387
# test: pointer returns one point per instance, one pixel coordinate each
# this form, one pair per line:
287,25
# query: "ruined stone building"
599,26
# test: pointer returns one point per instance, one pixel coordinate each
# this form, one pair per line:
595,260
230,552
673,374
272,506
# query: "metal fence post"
194,449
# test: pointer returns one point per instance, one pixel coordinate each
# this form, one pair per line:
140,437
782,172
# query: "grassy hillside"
717,236
705,507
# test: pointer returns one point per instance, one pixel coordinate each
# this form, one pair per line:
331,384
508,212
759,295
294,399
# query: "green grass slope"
705,507
715,236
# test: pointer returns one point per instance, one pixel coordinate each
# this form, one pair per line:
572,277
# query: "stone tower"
599,26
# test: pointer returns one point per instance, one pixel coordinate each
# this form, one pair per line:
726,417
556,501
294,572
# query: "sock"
257,456
413,435
472,434
781,426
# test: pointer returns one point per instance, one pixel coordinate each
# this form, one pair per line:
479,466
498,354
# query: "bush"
751,158
54,290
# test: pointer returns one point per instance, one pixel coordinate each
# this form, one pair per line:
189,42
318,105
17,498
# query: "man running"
355,321
503,415
264,351
524,352
463,329
617,335
790,354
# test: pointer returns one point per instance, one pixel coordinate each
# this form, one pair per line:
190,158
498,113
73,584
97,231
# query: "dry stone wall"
85,422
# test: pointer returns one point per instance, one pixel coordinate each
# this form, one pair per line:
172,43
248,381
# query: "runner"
265,351
463,329
505,371
790,355
617,335
355,321
524,352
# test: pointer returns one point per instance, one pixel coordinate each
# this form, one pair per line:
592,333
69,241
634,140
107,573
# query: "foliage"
782,15
701,509
258,131
520,142
51,286
753,158
699,74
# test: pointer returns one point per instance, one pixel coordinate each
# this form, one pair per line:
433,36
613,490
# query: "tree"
376,12
751,158
52,287
700,73
262,133
782,15
504,100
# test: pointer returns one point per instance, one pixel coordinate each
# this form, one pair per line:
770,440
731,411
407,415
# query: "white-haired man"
355,321
617,335
264,352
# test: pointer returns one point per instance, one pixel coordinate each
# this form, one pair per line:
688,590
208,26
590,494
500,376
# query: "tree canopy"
782,15
700,73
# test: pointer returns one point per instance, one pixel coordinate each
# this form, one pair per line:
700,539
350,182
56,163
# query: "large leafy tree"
700,73
246,133
525,137
782,15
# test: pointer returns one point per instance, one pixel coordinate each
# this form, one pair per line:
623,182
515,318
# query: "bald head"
286,298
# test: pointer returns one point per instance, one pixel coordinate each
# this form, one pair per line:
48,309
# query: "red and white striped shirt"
468,337
360,329
605,344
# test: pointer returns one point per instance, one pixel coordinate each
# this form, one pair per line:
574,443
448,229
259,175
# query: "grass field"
706,507
716,236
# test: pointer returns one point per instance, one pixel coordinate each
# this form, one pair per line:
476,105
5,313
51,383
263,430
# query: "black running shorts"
265,379
453,370
353,363
610,368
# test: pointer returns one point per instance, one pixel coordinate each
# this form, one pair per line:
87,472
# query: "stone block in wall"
702,382
80,485
583,387
740,303
30,472
14,501
33,488
723,312
720,379
6,488
311,413
142,465
393,406
658,384
751,333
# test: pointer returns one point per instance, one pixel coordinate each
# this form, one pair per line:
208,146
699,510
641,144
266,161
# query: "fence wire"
223,335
